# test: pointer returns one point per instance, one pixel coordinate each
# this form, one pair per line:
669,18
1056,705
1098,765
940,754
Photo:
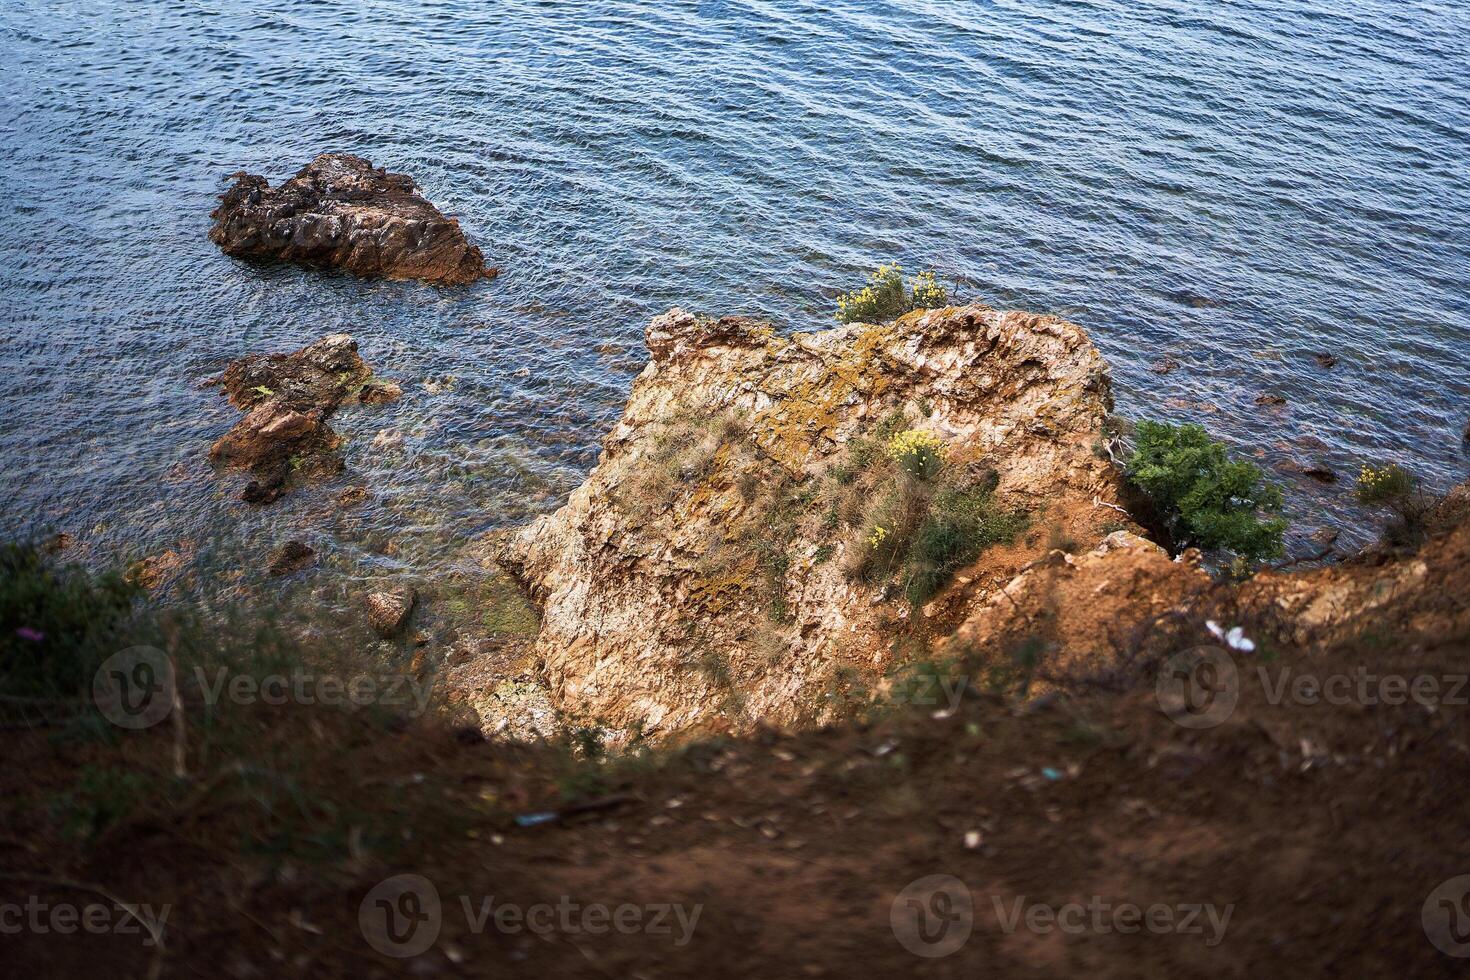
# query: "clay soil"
1323,828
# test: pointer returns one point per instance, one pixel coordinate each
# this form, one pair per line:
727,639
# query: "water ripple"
1237,186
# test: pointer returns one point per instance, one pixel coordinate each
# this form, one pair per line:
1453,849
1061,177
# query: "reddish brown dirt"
1324,828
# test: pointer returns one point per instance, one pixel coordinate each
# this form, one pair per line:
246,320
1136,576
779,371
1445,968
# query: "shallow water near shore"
1236,187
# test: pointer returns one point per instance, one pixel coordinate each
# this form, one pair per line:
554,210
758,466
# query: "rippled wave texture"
1235,185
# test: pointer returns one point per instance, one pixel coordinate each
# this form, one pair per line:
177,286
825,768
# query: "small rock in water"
1164,365
289,557
387,611
1326,536
1320,472
353,496
286,399
380,392
1325,360
59,542
1275,401
340,210
265,491
153,571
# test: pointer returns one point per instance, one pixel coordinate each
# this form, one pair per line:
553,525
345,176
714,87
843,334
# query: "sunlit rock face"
702,577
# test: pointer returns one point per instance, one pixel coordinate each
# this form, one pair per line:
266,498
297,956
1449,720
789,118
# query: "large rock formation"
711,570
342,211
287,399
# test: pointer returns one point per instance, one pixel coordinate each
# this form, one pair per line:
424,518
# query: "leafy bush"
916,520
1206,498
56,624
884,298
1389,485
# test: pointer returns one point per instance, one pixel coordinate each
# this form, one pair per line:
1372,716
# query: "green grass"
960,525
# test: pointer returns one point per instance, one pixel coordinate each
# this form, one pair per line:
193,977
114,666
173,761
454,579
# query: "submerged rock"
379,392
287,399
343,212
388,610
289,557
152,572
353,496
709,571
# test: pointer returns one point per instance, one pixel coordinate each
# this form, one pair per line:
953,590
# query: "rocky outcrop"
287,399
343,212
709,571
1109,616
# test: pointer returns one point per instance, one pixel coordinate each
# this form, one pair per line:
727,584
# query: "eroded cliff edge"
708,572
721,565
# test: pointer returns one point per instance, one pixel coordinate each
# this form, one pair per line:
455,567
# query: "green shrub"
57,624
960,524
1204,497
1389,485
916,520
1396,488
884,298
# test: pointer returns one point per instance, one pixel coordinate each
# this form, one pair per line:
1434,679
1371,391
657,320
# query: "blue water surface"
1236,184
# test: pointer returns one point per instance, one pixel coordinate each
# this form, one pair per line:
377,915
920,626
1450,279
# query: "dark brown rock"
1325,360
343,212
388,610
289,557
1273,401
1320,472
287,399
